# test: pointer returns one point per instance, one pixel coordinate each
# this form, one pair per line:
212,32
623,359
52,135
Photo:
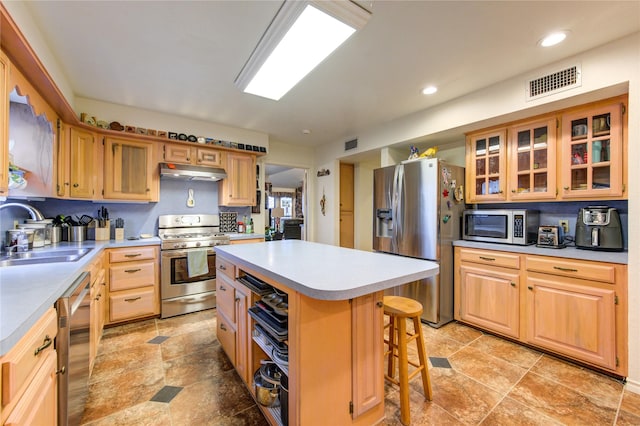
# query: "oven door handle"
182,253
191,299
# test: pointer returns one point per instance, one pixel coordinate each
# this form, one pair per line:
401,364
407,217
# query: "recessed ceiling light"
430,90
306,131
553,39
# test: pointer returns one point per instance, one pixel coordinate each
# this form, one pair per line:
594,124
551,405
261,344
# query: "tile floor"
143,377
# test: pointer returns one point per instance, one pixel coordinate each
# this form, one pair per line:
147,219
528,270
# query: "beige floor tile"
580,379
562,403
631,403
125,336
487,369
506,350
510,412
145,414
188,343
459,332
114,364
186,323
196,366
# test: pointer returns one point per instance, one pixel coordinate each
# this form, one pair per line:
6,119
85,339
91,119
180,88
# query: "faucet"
33,212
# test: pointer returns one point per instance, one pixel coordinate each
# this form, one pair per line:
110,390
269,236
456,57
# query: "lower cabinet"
334,364
29,379
133,282
97,308
570,307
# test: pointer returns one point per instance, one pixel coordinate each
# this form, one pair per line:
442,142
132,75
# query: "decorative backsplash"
228,221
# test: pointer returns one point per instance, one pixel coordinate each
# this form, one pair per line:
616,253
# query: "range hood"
188,172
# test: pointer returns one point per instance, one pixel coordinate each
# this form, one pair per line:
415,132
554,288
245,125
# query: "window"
286,204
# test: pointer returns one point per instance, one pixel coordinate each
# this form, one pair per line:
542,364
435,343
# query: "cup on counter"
77,234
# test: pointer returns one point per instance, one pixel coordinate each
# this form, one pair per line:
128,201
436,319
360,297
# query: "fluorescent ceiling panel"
300,37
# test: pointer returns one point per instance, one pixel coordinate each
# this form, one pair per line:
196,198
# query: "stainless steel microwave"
501,226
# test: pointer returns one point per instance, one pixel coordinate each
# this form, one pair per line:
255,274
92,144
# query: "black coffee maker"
599,228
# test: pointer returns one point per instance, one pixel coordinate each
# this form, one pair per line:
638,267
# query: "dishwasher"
72,344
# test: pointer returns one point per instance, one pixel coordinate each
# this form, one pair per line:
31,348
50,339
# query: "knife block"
103,233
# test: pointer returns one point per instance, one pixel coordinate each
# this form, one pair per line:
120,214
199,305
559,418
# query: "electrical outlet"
565,225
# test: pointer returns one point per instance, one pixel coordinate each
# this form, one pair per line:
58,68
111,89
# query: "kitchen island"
333,332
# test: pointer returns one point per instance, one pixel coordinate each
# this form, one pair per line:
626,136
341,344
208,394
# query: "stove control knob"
198,244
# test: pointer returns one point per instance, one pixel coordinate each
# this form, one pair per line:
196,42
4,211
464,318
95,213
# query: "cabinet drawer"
489,257
129,254
226,336
226,267
225,298
594,271
22,361
131,275
132,304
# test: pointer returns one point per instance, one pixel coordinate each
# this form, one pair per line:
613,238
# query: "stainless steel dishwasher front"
72,344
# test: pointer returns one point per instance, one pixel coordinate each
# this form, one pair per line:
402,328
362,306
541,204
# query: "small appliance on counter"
550,236
599,228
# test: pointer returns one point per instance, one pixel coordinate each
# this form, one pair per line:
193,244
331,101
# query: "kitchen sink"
34,257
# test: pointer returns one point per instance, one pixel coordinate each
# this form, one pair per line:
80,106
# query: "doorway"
285,202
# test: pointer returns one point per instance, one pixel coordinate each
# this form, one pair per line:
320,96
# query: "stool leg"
391,364
403,366
422,354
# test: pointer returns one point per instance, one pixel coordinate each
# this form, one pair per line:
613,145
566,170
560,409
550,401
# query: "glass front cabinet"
592,153
532,160
486,165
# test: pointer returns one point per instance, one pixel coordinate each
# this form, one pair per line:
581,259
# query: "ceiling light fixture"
553,39
430,90
302,34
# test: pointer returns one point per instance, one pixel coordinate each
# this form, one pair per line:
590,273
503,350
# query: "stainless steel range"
188,262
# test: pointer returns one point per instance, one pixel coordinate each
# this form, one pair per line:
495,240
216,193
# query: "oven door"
175,280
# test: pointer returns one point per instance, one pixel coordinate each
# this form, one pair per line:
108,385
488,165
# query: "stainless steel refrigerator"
417,213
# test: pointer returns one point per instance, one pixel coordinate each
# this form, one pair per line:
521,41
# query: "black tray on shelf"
256,285
277,331
280,319
282,347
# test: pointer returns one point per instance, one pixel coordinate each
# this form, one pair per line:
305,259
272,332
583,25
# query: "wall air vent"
559,81
352,144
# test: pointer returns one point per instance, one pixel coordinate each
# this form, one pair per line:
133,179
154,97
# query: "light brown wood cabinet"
571,307
97,308
4,125
343,337
29,379
185,154
78,167
592,152
133,283
239,188
129,170
573,154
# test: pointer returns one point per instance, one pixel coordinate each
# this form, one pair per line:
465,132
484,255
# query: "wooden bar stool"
399,309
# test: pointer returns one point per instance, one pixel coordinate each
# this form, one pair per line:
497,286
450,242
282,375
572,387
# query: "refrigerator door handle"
398,179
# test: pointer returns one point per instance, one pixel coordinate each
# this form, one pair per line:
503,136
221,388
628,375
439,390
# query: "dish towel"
197,263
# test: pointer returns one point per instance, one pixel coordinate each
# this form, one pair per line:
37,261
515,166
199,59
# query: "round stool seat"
402,307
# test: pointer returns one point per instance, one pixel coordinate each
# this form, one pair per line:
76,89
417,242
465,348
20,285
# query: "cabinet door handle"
75,185
45,344
487,258
133,299
513,191
222,327
222,268
513,284
133,255
565,269
237,299
131,271
379,304
223,288
566,188
530,287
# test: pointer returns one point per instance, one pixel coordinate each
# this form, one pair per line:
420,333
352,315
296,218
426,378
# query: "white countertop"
566,252
26,292
327,272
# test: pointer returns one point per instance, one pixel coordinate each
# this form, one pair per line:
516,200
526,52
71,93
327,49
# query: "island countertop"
327,272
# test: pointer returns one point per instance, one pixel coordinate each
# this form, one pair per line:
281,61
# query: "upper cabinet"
592,152
78,169
532,160
185,154
129,170
4,125
239,188
486,166
543,160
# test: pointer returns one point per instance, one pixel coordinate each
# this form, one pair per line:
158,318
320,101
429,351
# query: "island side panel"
321,347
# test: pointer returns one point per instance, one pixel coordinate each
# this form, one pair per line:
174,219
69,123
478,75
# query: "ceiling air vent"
559,81
352,144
